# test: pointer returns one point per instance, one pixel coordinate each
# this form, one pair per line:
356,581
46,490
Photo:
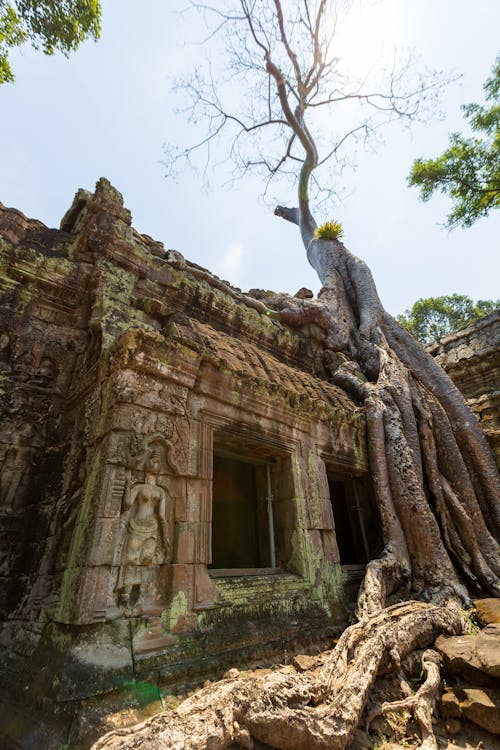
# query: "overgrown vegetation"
469,170
433,317
330,230
49,25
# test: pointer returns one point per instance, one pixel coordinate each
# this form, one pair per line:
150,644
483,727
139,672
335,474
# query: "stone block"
150,637
94,597
182,580
286,480
204,544
488,610
488,649
284,550
303,662
176,488
186,542
106,542
473,656
198,501
482,706
326,512
330,548
205,589
314,537
137,388
285,514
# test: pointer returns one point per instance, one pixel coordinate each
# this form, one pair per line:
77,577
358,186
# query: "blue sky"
108,110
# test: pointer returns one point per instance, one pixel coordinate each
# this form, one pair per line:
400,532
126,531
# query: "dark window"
357,523
242,515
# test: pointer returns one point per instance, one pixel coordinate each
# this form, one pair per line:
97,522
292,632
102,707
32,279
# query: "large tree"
50,25
433,317
434,478
469,170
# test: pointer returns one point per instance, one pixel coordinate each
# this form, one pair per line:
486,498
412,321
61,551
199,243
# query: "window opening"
242,514
357,523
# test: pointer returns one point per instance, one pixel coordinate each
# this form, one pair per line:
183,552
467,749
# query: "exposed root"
316,710
422,703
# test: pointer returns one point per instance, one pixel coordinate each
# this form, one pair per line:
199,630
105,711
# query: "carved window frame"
214,428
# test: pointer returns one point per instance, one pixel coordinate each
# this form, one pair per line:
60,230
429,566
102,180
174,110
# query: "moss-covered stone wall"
122,367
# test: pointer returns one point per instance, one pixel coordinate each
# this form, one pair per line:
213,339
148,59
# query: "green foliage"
431,318
330,230
469,170
471,621
49,25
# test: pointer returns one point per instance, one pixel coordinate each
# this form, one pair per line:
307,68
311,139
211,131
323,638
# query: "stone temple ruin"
181,488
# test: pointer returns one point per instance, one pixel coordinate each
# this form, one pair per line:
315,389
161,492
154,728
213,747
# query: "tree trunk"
436,488
430,461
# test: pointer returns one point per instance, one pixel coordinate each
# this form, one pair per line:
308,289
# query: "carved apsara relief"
145,513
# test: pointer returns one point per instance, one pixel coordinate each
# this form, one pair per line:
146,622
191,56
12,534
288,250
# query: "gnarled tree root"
315,710
422,703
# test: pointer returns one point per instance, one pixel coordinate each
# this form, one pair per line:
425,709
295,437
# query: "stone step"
488,611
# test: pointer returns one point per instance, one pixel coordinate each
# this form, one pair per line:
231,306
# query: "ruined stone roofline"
97,231
25,219
23,224
479,326
16,227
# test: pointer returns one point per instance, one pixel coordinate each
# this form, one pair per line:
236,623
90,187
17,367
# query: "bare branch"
291,54
280,57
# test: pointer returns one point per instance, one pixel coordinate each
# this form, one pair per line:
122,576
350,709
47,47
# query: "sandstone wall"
471,357
122,368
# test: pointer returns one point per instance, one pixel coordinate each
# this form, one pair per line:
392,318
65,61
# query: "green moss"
335,583
325,578
113,312
314,499
177,608
59,265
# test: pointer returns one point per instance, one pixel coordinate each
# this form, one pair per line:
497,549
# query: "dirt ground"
396,732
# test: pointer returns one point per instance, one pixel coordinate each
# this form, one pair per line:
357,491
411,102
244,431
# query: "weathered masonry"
471,357
174,466
182,488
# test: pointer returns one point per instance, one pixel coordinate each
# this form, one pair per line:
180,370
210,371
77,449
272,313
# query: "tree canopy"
433,317
469,170
280,98
49,25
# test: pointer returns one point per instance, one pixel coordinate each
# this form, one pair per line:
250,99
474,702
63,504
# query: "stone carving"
146,541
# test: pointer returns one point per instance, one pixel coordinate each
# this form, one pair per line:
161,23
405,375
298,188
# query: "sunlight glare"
368,34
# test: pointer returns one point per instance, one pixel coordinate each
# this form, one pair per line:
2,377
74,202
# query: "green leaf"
469,170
